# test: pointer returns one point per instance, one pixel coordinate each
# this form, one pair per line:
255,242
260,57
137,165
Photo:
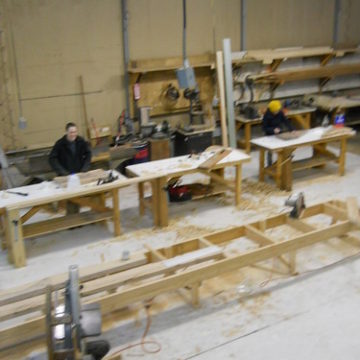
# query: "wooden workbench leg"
237,185
342,157
247,138
286,172
101,200
195,294
3,232
141,198
279,168
239,142
292,262
15,238
261,164
307,120
155,202
163,202
116,212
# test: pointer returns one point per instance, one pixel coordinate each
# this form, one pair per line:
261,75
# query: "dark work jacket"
64,162
272,121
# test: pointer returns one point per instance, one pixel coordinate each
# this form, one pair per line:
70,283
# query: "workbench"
176,167
16,210
301,116
318,138
334,104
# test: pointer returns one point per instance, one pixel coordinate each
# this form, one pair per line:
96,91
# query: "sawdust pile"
255,196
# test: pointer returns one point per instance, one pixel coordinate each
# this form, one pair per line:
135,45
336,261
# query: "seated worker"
70,154
275,122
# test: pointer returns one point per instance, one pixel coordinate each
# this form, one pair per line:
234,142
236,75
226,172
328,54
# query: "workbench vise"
70,324
297,202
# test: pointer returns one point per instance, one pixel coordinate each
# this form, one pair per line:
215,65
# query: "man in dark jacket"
275,122
70,154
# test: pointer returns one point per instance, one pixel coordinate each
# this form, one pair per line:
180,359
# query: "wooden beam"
258,236
29,214
308,73
221,88
353,210
300,225
335,212
58,282
64,222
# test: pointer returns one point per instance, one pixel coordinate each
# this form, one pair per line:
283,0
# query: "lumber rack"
186,264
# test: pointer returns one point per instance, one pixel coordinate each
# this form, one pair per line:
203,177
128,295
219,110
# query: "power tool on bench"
69,326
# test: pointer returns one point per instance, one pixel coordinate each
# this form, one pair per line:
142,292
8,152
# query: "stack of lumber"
85,178
333,131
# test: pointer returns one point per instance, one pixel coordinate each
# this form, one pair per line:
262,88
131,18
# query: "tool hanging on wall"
172,93
196,109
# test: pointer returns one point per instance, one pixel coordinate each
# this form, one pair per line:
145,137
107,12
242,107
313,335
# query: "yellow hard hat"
274,106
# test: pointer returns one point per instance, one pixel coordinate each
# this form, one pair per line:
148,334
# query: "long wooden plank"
221,89
79,192
113,281
58,282
61,223
309,73
213,160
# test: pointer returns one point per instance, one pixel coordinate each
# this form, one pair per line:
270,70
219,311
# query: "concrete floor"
248,314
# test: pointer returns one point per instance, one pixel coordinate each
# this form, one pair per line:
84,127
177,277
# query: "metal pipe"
125,38
243,25
337,11
229,92
184,33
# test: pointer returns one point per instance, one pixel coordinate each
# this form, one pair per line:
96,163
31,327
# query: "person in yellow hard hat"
274,122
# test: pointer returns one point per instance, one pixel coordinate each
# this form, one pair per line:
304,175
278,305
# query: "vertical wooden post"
116,212
163,201
101,200
342,156
292,262
262,225
141,198
237,184
247,130
154,202
15,238
3,230
279,167
221,87
286,172
195,294
261,165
